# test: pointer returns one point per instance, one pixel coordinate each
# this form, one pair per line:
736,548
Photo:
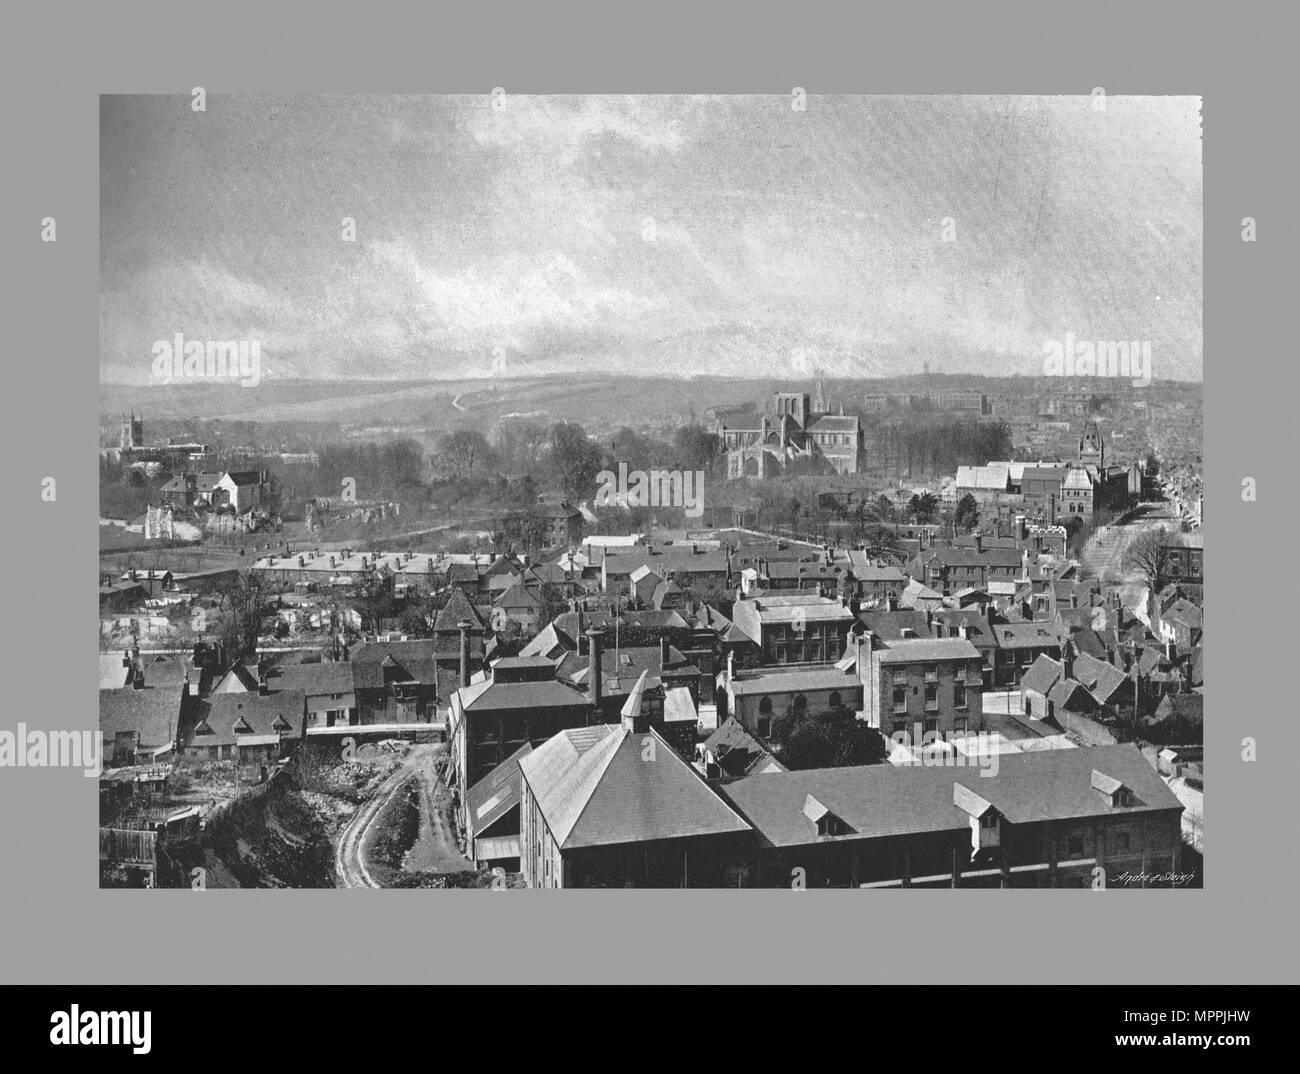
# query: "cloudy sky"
650,235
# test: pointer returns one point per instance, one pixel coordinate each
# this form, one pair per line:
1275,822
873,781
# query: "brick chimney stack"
595,675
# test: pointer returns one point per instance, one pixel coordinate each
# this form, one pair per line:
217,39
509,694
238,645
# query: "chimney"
263,687
963,632
663,653
731,664
595,674
463,626
1067,658
979,542
137,678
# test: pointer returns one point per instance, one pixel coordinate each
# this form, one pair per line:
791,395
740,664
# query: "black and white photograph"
786,490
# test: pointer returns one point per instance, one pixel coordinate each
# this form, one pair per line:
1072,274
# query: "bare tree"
1151,555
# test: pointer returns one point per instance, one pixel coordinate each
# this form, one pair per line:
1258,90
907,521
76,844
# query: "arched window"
765,706
800,704
835,700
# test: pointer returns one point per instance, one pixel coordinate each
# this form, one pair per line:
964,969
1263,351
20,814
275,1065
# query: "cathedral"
796,427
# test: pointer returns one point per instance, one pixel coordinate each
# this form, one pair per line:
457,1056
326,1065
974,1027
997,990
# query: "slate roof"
551,642
594,789
322,677
886,800
1042,674
1099,678
890,625
490,696
278,713
153,713
416,660
458,607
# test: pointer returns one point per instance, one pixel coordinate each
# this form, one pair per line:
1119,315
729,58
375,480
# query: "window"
765,706
800,704
959,695
1076,845
931,695
835,701
900,698
929,727
764,726
1122,840
989,820
932,674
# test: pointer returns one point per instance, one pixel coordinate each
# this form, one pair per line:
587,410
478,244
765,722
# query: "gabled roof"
416,659
551,643
593,788
153,713
985,478
458,607
224,719
1099,678
1042,675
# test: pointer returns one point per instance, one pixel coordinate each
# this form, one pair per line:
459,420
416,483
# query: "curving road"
349,855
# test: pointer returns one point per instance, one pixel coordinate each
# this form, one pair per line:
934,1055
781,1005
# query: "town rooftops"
876,801
594,788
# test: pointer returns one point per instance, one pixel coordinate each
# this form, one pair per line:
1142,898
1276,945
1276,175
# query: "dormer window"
827,823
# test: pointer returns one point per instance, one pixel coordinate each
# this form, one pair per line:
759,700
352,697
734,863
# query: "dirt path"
435,849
